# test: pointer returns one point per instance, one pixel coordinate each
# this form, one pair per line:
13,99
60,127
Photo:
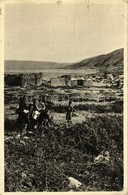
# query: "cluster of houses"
87,81
70,80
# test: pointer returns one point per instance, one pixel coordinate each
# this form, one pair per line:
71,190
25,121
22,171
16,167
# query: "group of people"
33,115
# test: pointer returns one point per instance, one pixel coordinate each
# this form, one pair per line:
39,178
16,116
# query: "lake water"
52,73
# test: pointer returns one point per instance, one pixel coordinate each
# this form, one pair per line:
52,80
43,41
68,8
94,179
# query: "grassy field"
47,160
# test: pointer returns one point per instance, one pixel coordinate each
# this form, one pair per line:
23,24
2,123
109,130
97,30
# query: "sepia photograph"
64,77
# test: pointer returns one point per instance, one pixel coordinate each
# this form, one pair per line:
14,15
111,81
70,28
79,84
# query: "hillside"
112,62
11,65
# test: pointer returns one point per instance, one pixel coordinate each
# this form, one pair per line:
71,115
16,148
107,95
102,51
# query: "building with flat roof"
68,80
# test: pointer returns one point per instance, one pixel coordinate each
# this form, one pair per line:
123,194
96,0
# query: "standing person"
43,103
35,104
69,112
35,113
23,117
31,120
22,104
44,117
38,105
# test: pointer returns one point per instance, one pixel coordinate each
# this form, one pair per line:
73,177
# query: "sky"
61,32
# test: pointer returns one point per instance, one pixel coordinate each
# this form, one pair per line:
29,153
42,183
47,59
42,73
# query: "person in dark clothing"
32,121
43,117
22,104
30,108
23,117
35,113
38,114
22,111
69,112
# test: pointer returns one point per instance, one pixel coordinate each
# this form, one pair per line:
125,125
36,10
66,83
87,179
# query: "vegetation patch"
66,152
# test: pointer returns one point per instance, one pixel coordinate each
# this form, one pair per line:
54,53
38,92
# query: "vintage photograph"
63,96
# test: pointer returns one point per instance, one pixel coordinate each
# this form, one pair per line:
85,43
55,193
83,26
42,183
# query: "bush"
72,150
9,125
117,107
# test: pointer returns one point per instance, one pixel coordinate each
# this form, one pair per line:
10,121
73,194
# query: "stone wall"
23,80
57,81
12,80
88,83
38,79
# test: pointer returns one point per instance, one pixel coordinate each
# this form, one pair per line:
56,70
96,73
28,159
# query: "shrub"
72,150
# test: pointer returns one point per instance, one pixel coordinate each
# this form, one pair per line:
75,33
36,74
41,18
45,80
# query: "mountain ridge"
112,61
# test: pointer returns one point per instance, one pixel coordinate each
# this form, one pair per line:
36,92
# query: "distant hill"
11,65
111,62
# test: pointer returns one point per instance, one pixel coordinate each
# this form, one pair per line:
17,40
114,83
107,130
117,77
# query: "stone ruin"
23,80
